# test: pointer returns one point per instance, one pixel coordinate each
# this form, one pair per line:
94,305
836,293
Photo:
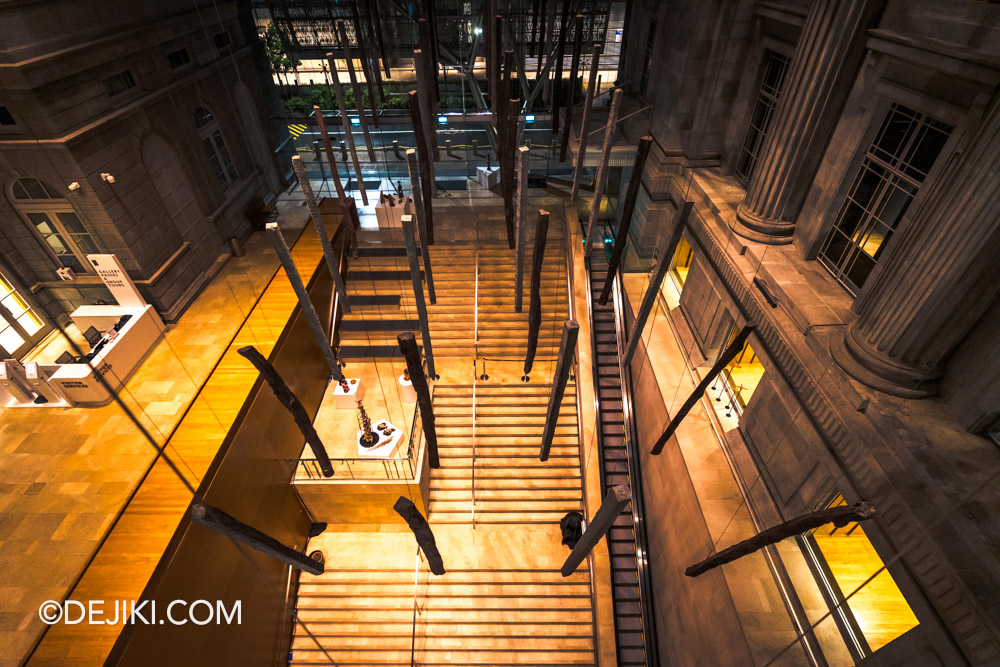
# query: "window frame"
208,133
888,95
52,208
29,340
767,51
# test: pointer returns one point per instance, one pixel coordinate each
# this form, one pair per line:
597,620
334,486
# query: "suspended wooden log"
727,355
621,238
425,35
567,348
308,311
377,19
346,124
507,171
577,40
422,531
560,52
332,263
418,290
535,295
533,43
588,105
328,149
359,98
611,508
425,97
426,166
236,530
291,402
418,209
408,346
522,224
366,68
838,516
656,280
593,227
496,44
548,31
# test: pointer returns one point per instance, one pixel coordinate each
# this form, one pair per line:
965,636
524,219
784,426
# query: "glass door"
20,325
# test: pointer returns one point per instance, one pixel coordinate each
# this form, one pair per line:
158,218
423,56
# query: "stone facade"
96,88
886,390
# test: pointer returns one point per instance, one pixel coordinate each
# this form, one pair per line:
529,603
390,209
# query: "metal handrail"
635,477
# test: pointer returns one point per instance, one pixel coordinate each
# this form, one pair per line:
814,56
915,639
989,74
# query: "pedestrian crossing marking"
297,129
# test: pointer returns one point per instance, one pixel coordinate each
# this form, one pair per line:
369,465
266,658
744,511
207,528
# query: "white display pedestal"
407,391
348,400
488,177
391,216
386,443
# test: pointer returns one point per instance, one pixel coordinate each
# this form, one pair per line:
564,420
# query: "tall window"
52,217
906,146
19,324
215,147
775,67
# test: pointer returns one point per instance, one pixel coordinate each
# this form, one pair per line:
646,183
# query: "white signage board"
113,274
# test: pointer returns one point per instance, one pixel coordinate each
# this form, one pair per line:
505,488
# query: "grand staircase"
494,507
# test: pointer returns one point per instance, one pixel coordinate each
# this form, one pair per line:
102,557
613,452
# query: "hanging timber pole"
574,68
425,37
534,30
236,530
359,98
611,508
496,43
408,346
291,402
557,82
324,238
838,516
373,63
425,95
359,36
548,39
345,122
593,229
727,355
426,166
522,224
418,209
418,292
567,348
377,18
535,295
588,105
285,257
507,144
328,148
655,280
621,238
422,531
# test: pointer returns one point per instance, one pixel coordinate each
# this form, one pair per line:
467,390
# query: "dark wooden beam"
409,238
567,349
727,355
291,402
366,68
621,238
328,149
595,61
611,508
377,19
236,530
426,166
838,516
577,41
560,52
535,296
655,280
359,98
408,346
422,531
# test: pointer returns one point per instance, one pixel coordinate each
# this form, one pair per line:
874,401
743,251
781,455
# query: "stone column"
938,280
823,66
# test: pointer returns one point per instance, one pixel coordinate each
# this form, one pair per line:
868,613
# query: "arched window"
215,147
20,325
55,222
